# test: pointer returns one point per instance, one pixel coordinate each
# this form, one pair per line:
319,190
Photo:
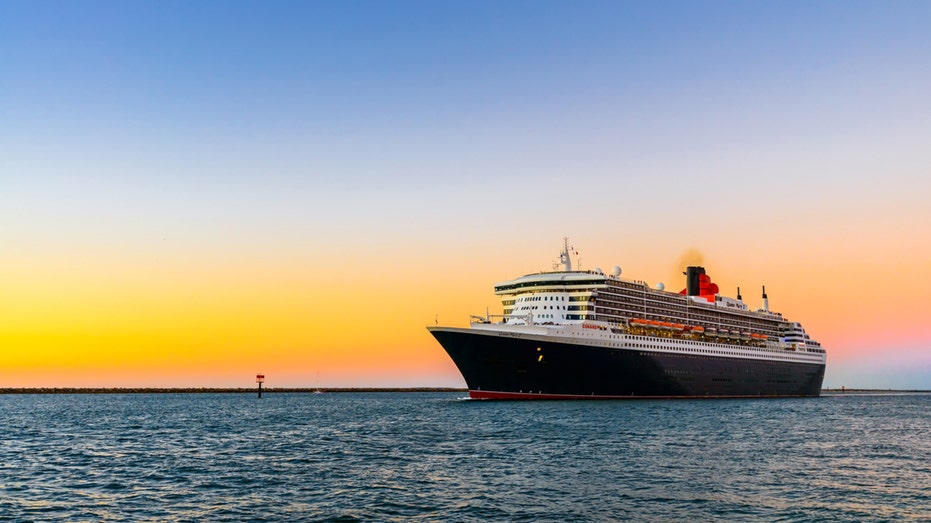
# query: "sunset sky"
192,192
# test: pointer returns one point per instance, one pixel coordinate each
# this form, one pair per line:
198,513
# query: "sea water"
440,457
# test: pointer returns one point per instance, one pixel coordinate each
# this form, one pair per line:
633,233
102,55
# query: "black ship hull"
497,366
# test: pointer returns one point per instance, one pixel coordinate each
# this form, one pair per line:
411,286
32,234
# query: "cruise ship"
574,334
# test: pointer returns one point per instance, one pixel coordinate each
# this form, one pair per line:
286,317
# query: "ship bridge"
551,297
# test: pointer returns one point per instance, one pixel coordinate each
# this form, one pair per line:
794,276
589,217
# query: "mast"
564,258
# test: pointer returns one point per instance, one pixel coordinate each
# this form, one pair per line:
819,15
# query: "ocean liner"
574,334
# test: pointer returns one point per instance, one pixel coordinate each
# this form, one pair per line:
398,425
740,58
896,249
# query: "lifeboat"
698,329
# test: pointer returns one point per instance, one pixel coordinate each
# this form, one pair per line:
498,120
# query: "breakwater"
214,390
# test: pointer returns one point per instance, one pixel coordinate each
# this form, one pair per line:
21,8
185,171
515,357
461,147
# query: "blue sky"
289,102
485,83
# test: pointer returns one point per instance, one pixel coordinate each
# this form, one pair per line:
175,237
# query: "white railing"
489,317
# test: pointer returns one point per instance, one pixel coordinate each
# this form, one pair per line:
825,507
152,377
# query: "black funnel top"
691,278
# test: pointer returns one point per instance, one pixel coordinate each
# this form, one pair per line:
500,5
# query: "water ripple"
435,457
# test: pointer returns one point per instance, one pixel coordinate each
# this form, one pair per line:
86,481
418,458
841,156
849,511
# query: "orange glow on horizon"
216,323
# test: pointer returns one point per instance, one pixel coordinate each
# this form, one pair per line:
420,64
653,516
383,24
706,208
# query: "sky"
194,192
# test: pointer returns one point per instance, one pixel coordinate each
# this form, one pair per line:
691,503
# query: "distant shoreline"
872,391
304,390
214,390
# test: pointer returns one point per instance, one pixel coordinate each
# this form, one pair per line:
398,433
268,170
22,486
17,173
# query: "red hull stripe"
496,395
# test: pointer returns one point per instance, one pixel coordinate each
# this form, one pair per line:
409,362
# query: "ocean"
418,456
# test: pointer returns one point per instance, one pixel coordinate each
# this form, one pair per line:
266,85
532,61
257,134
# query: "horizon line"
253,390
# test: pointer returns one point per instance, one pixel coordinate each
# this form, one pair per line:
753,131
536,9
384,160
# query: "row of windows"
777,354
773,352
689,318
617,315
580,308
680,312
699,356
564,284
541,298
650,305
648,302
644,298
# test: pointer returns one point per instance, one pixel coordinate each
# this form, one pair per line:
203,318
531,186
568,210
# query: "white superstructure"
593,308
